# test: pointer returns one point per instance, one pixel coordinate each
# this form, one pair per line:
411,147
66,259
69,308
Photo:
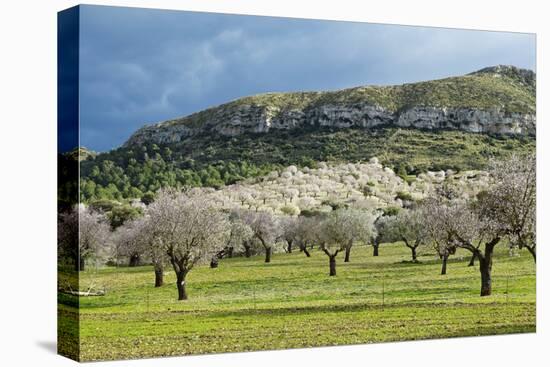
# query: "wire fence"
136,294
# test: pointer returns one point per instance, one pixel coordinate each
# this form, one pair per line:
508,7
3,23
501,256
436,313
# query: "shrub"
290,210
405,196
390,211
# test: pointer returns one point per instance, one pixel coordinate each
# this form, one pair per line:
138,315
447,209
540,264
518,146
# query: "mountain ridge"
252,137
495,100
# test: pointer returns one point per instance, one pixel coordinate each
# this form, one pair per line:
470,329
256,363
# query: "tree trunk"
472,260
413,253
306,252
289,248
444,264
247,251
230,252
268,254
348,251
80,264
486,265
375,249
135,260
533,252
214,262
485,270
332,265
182,293
159,276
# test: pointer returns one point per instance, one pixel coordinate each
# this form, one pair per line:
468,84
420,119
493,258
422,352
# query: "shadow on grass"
363,306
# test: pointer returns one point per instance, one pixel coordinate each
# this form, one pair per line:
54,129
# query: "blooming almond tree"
188,229
306,233
130,241
67,229
465,224
289,227
138,237
407,226
381,224
479,233
240,233
441,240
340,229
512,199
357,226
265,228
93,235
327,233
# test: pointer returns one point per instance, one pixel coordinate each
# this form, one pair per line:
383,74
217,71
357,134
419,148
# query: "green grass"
247,305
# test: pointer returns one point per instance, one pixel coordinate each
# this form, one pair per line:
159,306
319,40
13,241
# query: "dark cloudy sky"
139,66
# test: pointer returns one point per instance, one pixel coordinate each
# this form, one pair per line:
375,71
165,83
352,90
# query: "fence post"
383,291
147,302
507,278
254,295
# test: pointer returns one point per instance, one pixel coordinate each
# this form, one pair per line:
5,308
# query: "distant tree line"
139,172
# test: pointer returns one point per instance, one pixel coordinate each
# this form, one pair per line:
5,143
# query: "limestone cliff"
494,100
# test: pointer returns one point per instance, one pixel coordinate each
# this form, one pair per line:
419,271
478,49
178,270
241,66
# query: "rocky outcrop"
160,134
235,118
493,121
255,119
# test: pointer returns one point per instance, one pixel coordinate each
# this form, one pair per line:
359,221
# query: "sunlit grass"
246,304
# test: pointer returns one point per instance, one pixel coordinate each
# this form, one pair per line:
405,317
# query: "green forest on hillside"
214,161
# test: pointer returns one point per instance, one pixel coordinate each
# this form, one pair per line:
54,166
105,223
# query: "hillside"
496,100
454,123
367,185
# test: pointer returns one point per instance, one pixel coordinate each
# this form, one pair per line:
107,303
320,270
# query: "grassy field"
247,305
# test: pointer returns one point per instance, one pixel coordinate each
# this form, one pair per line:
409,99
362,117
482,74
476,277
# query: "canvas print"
233,183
